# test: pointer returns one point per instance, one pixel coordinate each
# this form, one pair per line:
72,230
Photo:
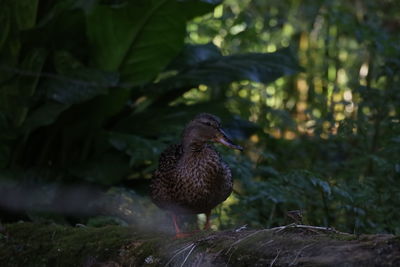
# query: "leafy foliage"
93,91
87,94
331,131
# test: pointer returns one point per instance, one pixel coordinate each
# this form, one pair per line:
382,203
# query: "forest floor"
29,244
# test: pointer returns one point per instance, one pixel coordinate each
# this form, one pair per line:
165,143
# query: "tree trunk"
28,244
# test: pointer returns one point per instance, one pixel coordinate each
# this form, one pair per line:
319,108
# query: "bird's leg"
175,221
207,225
178,232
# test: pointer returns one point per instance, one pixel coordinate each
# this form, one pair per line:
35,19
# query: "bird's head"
206,128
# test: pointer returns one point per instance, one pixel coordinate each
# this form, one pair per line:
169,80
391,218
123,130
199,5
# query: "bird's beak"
226,141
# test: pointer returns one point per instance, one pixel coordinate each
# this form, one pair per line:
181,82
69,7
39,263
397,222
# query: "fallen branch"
27,244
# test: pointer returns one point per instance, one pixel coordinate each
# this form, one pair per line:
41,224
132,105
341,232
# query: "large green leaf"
138,148
213,70
60,29
25,13
16,93
194,8
44,115
191,55
82,85
111,31
27,84
139,38
73,84
77,83
167,122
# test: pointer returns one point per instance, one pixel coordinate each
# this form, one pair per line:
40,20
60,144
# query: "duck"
191,177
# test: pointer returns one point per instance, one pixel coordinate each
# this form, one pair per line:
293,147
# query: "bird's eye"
208,123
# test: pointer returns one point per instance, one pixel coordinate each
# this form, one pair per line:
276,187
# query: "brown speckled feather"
192,182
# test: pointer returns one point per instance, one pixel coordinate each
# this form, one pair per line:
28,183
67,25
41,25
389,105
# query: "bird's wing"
169,158
164,177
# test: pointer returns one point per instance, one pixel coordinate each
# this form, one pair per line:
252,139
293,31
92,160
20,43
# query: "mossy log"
28,244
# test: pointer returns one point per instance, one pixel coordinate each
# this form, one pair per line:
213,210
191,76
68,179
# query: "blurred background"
91,92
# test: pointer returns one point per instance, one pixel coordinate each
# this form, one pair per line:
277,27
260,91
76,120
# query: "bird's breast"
201,170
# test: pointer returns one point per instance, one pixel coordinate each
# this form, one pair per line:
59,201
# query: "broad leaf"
77,83
16,93
194,8
138,148
168,122
81,85
222,70
44,115
25,12
192,55
140,38
27,84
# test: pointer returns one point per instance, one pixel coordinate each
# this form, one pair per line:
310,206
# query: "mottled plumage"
191,176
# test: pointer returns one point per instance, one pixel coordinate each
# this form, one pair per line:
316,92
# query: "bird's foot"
183,235
186,234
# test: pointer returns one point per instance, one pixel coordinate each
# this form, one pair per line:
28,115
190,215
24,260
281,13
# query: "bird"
191,177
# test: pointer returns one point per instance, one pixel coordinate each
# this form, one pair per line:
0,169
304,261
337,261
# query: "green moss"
342,237
39,244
